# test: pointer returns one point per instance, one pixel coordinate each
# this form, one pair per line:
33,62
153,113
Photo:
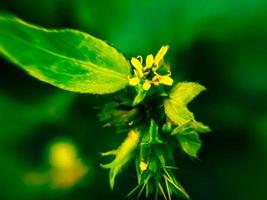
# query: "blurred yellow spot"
67,178
62,155
67,169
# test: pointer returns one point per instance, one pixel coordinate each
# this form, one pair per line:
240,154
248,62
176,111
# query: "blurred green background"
221,44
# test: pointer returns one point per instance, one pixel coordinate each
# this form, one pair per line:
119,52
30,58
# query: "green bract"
151,112
190,142
68,59
188,139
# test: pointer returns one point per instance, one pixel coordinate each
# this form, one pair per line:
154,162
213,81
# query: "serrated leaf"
185,92
180,129
190,142
191,126
68,59
179,97
177,112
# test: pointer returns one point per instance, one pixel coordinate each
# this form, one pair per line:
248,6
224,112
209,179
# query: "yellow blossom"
147,74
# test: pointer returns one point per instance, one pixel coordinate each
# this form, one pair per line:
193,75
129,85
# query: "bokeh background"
50,139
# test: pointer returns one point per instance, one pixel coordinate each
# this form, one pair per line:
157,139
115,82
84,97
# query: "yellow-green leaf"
190,142
177,112
176,105
122,155
68,59
185,92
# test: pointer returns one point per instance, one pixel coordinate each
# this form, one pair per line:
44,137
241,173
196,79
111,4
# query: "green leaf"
191,126
179,97
190,142
68,59
185,92
177,112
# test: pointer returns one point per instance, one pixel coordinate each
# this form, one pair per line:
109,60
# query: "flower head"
147,74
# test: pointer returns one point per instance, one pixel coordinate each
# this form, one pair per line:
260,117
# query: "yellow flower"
147,74
138,64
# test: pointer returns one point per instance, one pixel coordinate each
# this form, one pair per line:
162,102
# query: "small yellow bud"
143,166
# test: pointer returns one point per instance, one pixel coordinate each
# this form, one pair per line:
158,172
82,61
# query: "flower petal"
159,57
146,85
138,66
166,80
149,61
134,81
